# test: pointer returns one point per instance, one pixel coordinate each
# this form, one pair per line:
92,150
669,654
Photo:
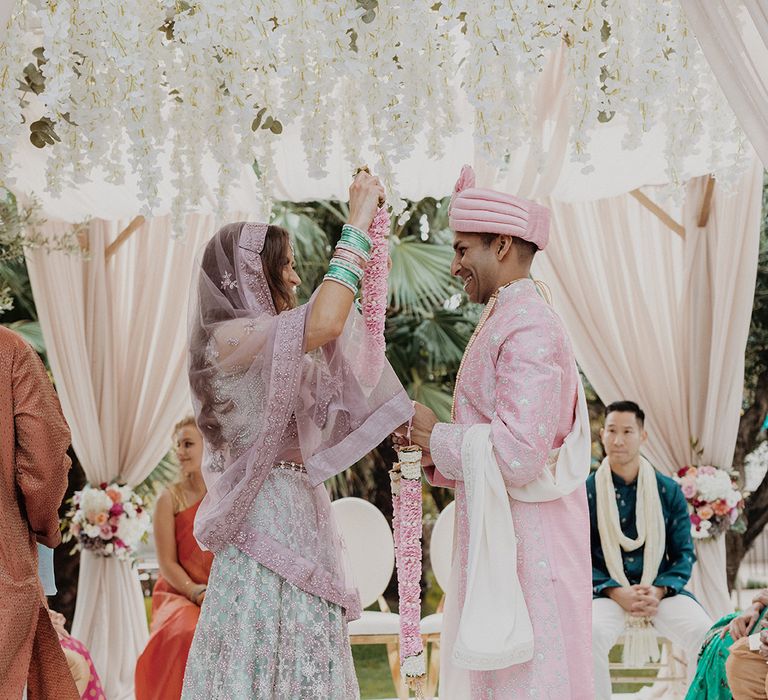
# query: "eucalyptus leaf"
276,127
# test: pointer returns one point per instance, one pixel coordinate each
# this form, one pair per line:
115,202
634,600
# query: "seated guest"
78,659
184,571
711,681
642,551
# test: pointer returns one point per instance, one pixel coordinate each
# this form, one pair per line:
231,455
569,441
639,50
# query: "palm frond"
164,473
436,396
444,334
421,277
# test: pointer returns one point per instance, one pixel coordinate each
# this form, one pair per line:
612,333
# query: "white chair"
440,556
370,554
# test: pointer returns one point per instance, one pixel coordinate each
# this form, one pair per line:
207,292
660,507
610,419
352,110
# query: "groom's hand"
424,420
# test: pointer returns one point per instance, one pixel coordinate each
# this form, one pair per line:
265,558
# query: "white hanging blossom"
168,87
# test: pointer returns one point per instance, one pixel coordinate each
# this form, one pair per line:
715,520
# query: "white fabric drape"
733,35
664,321
116,336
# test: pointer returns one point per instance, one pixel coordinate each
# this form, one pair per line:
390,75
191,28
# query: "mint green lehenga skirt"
261,637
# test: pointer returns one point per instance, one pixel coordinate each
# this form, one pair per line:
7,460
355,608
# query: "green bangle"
354,229
356,270
351,287
342,273
355,237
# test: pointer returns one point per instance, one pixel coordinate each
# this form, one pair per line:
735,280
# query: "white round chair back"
368,546
441,545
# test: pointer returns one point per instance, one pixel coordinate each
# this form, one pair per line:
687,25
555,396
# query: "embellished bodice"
240,399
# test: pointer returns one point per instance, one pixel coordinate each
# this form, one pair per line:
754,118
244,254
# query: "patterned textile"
262,638
33,477
711,681
94,689
520,377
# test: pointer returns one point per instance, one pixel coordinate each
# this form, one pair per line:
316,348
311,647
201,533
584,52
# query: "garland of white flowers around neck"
110,88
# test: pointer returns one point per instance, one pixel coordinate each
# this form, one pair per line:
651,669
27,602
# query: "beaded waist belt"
290,466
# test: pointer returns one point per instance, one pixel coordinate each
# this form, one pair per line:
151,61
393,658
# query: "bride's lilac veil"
235,332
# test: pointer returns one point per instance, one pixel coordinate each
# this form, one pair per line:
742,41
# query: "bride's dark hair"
219,256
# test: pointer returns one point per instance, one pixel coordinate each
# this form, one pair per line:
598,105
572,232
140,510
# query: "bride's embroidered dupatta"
249,375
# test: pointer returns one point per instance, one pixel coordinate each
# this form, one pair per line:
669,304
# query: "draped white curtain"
116,335
733,35
664,321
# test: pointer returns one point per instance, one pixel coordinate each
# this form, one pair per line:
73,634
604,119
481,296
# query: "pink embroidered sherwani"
520,376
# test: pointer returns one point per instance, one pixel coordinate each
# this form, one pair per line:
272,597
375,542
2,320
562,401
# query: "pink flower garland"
374,298
406,502
406,474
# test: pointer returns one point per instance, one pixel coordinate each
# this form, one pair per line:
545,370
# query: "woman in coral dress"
184,569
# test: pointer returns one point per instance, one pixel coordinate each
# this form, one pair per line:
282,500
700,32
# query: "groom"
522,558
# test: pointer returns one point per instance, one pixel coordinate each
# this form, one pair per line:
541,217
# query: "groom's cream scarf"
494,629
640,639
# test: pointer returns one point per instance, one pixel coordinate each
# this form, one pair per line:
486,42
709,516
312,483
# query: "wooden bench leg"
433,672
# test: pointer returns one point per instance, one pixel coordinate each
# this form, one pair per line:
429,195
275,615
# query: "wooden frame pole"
658,212
706,202
123,236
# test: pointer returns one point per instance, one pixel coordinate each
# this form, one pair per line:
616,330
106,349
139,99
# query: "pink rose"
106,532
708,470
689,488
116,509
695,519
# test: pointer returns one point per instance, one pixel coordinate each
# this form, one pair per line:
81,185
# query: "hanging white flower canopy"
167,106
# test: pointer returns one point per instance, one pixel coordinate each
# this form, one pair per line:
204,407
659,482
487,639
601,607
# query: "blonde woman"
184,571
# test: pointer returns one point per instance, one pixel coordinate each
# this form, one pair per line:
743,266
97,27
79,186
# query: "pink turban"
475,210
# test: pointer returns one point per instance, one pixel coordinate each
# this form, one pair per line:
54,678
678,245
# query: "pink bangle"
349,256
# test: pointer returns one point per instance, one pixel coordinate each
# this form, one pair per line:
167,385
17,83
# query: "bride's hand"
365,192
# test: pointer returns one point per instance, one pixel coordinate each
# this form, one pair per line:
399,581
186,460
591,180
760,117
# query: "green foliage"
161,476
420,278
756,357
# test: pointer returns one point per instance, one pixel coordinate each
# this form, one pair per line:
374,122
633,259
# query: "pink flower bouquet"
109,520
715,503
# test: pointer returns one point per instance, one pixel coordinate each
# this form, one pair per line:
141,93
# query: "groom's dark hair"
626,407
